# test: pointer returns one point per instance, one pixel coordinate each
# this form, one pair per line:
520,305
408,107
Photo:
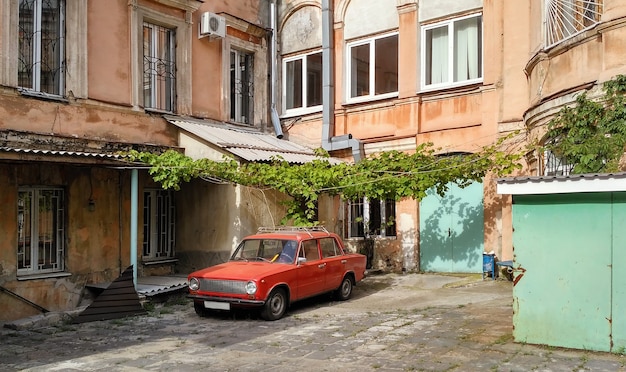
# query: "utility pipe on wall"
330,142
134,182
273,58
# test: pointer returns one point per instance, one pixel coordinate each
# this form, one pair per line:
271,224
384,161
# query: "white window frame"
372,71
46,250
450,83
158,85
304,109
37,55
159,225
366,218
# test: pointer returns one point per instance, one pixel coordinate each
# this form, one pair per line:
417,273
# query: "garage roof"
247,144
574,183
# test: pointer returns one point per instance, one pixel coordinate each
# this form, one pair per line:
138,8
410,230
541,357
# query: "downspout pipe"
134,209
330,142
273,58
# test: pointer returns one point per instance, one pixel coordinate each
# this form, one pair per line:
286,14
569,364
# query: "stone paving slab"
393,323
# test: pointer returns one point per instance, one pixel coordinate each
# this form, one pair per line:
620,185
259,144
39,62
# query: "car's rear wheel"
275,306
345,289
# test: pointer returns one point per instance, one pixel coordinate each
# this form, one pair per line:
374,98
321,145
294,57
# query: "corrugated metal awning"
247,144
13,153
575,183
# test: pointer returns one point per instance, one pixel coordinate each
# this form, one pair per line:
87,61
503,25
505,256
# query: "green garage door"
569,270
452,230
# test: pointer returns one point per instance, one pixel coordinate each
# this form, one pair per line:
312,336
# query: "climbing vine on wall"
591,134
386,175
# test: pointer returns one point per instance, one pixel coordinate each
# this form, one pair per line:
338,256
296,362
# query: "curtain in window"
466,49
438,59
293,92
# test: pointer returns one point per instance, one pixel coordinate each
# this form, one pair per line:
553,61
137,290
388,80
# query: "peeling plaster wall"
212,220
96,247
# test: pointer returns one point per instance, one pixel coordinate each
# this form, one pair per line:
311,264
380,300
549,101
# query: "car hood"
241,270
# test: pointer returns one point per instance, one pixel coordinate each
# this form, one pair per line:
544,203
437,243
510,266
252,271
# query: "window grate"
566,18
159,67
41,49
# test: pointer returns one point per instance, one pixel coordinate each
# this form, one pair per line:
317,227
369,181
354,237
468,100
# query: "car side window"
329,247
310,250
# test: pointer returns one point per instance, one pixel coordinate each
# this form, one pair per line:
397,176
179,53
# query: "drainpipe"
273,57
330,142
133,221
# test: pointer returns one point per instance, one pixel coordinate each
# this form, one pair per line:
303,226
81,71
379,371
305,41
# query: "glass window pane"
356,218
360,74
314,79
293,92
386,65
437,55
467,49
375,221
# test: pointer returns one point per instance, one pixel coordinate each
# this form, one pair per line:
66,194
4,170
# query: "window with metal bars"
41,46
554,165
159,67
241,87
566,18
40,230
371,218
159,224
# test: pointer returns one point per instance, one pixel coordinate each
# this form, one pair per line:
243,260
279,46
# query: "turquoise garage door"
452,230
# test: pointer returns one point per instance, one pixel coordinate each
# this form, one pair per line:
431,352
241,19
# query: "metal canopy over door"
452,230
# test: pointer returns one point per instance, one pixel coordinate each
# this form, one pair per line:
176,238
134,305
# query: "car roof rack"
306,229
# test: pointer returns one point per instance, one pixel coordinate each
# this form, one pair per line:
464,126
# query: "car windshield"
268,250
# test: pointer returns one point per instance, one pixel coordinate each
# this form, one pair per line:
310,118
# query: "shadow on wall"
452,236
190,261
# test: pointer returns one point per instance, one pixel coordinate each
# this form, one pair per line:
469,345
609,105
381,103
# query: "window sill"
365,99
43,276
301,111
41,95
450,87
159,262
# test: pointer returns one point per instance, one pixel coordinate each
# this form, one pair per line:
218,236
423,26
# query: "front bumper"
231,300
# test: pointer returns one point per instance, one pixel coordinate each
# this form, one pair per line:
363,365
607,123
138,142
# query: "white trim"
348,99
450,83
562,185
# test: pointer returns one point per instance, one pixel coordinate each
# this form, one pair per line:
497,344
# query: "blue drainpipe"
133,221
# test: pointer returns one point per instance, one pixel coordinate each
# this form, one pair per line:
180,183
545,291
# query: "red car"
276,267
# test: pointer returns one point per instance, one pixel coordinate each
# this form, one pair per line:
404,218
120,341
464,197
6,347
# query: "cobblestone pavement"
393,323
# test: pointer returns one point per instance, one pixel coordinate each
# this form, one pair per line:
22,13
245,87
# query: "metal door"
452,230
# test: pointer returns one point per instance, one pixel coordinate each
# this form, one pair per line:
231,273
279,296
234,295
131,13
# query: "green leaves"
386,175
591,135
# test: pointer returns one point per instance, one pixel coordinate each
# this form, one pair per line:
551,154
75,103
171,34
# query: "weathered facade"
459,74
389,91
83,81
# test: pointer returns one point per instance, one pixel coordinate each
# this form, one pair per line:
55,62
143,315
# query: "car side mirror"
301,260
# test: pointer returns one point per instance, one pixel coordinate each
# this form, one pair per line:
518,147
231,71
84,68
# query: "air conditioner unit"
212,25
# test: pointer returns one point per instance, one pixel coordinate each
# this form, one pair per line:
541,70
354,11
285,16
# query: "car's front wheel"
345,289
275,306
200,310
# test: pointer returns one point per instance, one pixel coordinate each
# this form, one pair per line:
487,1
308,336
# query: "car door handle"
321,266
344,261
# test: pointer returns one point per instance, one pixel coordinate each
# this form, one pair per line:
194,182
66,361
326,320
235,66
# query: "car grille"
223,286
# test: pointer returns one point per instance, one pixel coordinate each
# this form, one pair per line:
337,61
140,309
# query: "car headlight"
194,284
251,288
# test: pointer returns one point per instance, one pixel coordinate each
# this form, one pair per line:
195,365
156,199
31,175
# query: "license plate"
217,305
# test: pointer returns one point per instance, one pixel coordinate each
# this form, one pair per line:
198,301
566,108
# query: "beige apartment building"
459,74
83,81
